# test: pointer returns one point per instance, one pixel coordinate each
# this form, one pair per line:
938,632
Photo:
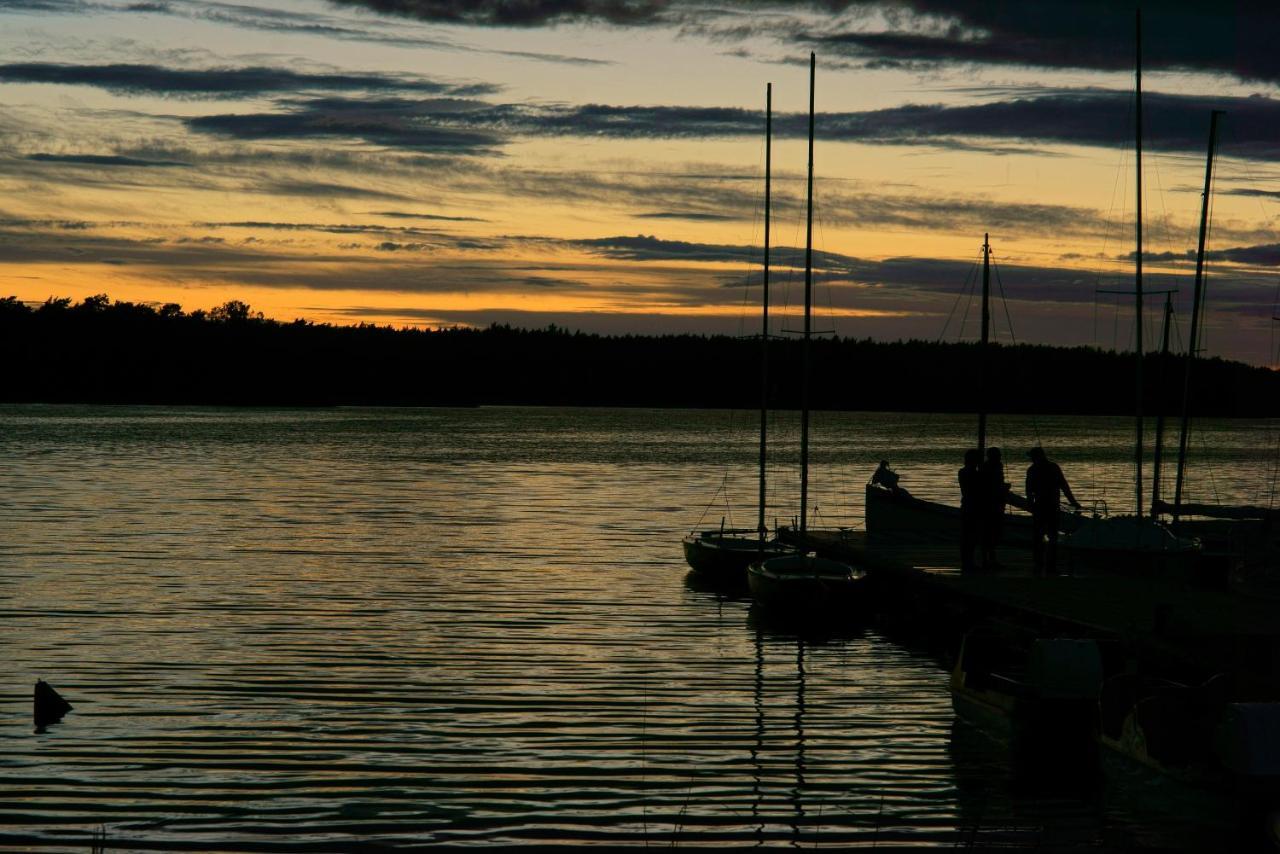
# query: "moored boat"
804,583
894,515
1038,695
1132,546
1199,737
801,582
722,556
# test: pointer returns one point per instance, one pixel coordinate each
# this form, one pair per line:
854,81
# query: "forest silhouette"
100,351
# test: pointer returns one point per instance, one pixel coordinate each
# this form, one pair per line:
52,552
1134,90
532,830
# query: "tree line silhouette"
100,351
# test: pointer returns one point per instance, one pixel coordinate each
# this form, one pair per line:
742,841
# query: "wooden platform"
1184,631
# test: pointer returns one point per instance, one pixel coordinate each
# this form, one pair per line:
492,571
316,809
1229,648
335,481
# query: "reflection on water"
340,628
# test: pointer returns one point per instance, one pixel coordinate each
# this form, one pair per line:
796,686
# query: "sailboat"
801,582
1137,544
894,515
723,555
1219,526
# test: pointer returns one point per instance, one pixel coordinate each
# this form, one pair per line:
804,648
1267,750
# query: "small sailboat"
1242,534
1138,544
801,582
723,555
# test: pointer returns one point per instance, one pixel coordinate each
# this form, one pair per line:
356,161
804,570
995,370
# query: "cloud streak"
134,79
1089,117
99,160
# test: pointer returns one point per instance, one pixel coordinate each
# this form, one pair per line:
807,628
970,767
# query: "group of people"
984,494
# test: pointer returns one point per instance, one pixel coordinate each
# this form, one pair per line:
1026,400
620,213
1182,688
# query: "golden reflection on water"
420,627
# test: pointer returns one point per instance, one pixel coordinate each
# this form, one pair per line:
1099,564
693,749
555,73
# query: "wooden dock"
1180,631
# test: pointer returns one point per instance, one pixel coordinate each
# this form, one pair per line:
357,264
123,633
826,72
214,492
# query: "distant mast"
1138,277
764,327
1197,308
808,313
986,335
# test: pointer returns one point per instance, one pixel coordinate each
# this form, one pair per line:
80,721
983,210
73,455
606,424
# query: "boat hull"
725,557
805,584
895,516
1134,547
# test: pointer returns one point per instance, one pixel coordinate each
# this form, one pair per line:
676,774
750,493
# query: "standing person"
971,507
1045,486
996,493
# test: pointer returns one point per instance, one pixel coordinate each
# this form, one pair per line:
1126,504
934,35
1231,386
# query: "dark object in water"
49,705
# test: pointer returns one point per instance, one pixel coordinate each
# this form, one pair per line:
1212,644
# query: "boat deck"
1197,631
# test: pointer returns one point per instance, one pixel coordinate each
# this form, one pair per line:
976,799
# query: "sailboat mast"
808,313
986,335
764,323
1158,452
1138,277
1197,308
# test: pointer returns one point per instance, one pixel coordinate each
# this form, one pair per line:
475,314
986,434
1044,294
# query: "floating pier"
1175,630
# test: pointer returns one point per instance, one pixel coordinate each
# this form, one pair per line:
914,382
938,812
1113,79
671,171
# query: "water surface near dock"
321,629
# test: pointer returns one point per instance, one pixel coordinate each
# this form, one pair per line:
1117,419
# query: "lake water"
350,629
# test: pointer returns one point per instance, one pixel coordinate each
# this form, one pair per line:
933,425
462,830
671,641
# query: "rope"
723,489
959,296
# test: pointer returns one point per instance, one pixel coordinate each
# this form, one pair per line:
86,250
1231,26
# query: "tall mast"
1138,278
808,313
986,334
764,323
1158,452
1197,308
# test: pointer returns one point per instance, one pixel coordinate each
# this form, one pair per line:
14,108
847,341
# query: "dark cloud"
1093,117
1260,255
729,195
1237,38
323,190
425,126
391,246
521,13
694,216
62,7
1264,255
644,247
401,232
425,216
102,160
1249,192
221,82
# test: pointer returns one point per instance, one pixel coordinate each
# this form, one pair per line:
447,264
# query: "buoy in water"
49,706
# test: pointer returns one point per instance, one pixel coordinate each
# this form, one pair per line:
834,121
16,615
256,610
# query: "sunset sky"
598,163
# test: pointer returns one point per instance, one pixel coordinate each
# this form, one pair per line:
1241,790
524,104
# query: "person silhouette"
886,477
971,507
1045,486
996,494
